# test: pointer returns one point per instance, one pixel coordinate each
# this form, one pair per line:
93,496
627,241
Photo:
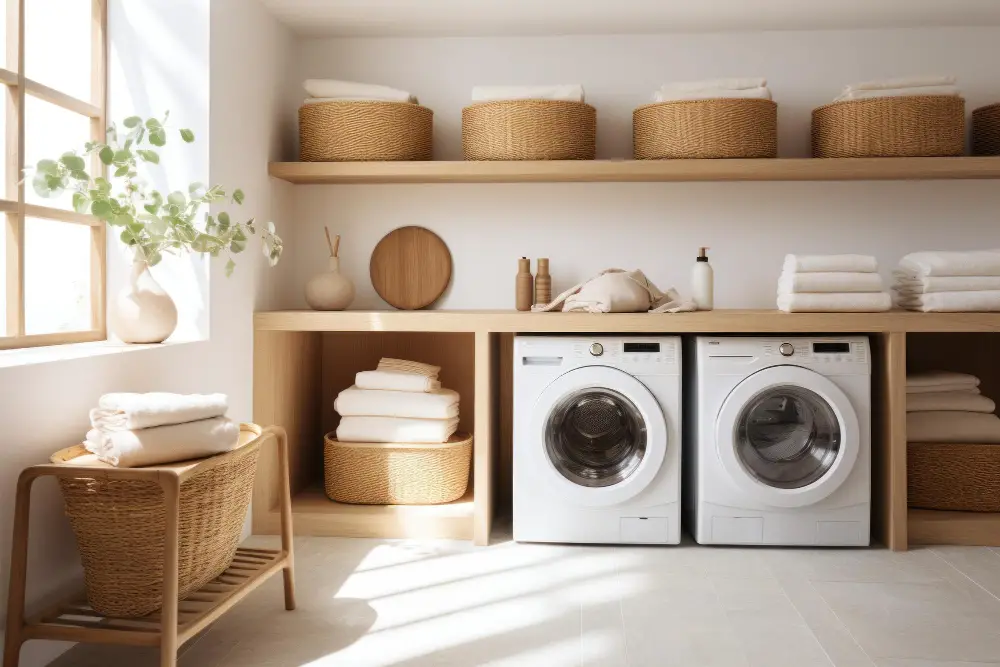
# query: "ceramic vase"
143,312
330,290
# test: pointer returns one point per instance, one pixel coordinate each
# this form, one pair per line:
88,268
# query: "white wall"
168,46
657,227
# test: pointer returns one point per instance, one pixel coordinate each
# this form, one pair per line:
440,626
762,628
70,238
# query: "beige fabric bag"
618,291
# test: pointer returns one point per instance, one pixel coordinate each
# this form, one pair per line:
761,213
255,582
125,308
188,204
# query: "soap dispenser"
702,282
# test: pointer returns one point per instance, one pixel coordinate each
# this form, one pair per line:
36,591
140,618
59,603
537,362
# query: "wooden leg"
171,547
18,571
890,483
286,515
482,471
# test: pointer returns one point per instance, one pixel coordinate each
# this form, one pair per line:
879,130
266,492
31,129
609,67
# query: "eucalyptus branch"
151,223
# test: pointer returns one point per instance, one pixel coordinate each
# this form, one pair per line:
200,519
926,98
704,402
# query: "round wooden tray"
410,268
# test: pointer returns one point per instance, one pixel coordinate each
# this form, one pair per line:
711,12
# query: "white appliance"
780,441
597,448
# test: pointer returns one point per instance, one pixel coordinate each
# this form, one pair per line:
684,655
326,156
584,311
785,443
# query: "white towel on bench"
125,411
164,444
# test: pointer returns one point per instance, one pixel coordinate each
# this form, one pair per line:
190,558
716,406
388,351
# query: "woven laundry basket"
363,131
718,128
918,126
960,477
986,130
397,473
529,130
120,527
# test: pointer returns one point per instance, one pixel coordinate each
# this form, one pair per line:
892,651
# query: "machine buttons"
786,349
596,349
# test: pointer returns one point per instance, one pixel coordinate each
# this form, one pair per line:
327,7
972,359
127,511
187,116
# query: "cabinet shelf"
595,171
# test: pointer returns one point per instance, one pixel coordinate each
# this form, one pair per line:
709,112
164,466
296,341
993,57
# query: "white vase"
143,312
330,290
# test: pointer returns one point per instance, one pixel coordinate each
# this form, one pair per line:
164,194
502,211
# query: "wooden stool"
169,628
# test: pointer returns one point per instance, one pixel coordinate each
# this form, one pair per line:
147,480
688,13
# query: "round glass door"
595,437
787,437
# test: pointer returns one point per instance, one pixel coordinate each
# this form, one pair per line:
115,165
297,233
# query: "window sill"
42,355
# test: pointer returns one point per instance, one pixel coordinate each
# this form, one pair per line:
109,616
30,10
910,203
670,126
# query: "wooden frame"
18,87
177,621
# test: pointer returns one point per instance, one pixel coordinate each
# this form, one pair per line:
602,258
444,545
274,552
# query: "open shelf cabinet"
303,358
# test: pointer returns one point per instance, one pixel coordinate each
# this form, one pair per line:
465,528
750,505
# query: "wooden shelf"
315,514
716,321
594,171
969,528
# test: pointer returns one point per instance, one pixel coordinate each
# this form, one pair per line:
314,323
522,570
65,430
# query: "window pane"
50,131
57,44
56,276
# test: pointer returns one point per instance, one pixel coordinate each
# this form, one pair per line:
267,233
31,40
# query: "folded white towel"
332,88
404,366
564,92
942,426
952,302
394,381
164,444
903,82
317,100
354,402
395,429
937,380
790,283
830,264
907,283
951,263
835,302
711,94
745,83
950,91
127,411
949,400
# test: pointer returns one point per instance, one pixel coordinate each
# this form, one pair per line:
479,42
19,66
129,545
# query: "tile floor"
412,603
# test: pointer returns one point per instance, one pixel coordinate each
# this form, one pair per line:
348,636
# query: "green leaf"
223,220
153,257
270,227
126,237
132,121
238,196
177,198
107,155
81,202
153,124
103,185
116,208
230,265
196,189
123,155
73,162
40,184
121,171
237,246
102,210
158,137
150,156
153,209
50,167
187,136
131,223
79,175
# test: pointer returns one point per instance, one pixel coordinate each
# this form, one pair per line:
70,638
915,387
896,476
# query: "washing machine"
597,448
780,441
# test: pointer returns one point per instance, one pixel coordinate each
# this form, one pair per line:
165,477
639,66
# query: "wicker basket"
360,131
722,128
120,527
397,473
961,477
918,126
986,130
529,130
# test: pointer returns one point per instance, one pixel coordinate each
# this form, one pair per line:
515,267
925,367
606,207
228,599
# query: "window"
52,259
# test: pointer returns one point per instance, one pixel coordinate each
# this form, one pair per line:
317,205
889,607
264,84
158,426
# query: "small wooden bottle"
543,282
524,285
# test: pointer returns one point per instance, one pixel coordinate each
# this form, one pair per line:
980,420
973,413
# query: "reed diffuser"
330,290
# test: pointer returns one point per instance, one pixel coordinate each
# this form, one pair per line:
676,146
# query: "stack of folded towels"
134,430
831,283
904,87
331,90
401,401
568,92
709,89
949,281
942,406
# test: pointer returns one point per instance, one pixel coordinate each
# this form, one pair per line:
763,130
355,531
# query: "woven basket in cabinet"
986,130
953,476
364,131
917,126
529,130
120,528
397,473
717,128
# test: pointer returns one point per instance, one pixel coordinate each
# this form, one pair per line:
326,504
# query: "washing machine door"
788,436
599,436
